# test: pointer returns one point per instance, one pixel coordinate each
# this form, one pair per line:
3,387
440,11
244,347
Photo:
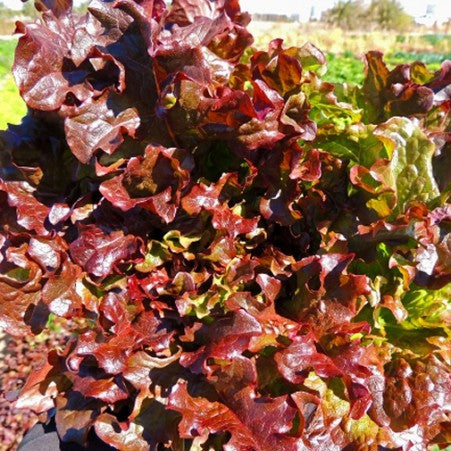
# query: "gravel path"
16,361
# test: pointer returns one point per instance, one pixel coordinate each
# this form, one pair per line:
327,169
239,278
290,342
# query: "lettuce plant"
255,259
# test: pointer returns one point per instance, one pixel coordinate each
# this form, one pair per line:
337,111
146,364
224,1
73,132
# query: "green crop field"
6,56
13,108
348,68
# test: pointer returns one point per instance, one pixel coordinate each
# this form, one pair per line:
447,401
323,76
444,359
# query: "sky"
417,8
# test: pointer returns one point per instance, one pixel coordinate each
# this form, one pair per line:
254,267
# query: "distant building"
275,17
291,10
429,18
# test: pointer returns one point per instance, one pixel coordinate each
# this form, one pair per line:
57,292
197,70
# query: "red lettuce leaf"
98,252
271,428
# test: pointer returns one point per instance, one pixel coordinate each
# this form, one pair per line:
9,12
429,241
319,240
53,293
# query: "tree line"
346,14
379,14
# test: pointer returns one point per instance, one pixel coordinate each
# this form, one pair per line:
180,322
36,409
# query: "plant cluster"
379,14
257,259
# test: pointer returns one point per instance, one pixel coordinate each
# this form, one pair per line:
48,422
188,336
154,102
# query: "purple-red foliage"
260,258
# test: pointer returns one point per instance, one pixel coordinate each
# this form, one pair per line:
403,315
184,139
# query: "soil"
18,357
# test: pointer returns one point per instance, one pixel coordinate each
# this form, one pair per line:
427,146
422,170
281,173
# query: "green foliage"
389,15
437,448
6,56
346,14
341,69
436,39
432,59
9,94
382,14
426,308
347,68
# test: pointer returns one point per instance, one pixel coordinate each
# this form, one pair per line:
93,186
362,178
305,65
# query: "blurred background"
405,30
